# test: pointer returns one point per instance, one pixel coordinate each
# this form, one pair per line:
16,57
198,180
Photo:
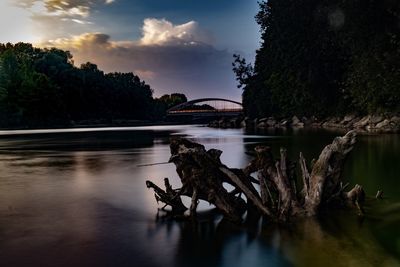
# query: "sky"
183,46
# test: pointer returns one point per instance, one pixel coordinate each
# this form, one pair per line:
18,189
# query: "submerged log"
280,196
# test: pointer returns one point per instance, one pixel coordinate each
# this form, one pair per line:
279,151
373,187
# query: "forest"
323,58
42,87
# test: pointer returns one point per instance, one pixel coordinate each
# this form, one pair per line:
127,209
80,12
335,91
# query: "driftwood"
280,196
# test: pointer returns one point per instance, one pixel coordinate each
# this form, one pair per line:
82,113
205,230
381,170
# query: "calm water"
78,198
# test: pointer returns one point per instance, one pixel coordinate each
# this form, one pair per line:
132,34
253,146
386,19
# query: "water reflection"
340,240
213,241
79,199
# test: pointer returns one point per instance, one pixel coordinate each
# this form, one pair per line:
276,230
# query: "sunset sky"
174,45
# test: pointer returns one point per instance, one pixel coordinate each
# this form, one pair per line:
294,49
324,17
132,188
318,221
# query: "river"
77,197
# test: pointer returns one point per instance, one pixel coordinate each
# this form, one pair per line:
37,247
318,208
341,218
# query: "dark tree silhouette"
42,87
324,58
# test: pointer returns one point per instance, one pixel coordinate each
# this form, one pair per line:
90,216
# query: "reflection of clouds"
82,179
95,164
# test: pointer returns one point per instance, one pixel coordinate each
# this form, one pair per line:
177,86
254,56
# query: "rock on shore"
385,123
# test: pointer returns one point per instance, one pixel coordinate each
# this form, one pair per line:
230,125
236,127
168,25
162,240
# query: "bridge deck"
204,111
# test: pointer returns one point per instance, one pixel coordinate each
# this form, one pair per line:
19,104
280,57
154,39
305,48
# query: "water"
78,198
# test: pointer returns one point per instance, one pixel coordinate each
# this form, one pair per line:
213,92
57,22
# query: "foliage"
243,70
165,102
323,58
173,99
200,107
42,87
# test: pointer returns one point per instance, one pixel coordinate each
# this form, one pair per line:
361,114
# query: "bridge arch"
190,103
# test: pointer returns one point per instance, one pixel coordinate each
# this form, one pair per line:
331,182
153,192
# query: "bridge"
205,109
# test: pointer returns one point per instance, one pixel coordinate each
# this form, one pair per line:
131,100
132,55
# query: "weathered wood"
203,174
199,172
169,196
265,192
379,194
327,170
305,175
356,196
250,194
275,180
195,202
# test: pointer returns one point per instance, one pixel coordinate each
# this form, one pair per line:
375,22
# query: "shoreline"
368,124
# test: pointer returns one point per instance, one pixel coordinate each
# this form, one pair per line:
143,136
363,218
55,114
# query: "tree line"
323,58
43,87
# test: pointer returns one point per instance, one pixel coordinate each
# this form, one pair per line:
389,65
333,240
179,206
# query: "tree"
173,99
244,71
43,87
165,102
323,58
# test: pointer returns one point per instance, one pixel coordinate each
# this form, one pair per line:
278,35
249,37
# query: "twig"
153,164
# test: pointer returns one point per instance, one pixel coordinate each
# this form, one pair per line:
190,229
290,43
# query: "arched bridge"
207,107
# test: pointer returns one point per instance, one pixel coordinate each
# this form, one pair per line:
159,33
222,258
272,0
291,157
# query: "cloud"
171,58
53,18
79,21
15,24
145,74
163,32
71,8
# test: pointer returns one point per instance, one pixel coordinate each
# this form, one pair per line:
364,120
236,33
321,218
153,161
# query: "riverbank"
368,124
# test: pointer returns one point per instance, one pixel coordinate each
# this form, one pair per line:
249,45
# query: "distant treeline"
42,87
324,58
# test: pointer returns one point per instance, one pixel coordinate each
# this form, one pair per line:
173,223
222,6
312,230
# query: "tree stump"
281,197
